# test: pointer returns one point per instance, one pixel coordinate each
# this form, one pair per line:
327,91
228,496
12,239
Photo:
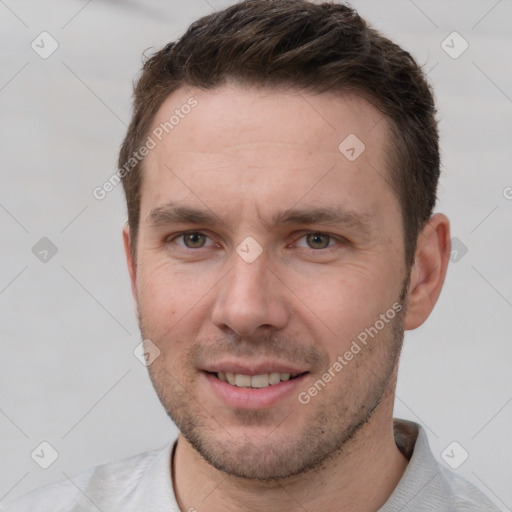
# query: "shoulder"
461,494
105,485
426,485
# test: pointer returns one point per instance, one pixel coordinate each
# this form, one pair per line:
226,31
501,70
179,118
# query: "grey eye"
318,240
194,240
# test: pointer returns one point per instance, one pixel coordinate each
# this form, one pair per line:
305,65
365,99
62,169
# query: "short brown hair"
318,48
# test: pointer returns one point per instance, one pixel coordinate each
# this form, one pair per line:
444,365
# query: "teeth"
274,378
243,381
259,381
255,381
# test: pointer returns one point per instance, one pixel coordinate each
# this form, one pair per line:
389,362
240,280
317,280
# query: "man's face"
265,250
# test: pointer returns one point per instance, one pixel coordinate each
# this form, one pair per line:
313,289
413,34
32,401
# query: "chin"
252,459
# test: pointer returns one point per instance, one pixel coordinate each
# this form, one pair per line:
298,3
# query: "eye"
193,240
316,241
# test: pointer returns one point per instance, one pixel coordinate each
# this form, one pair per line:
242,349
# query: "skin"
244,156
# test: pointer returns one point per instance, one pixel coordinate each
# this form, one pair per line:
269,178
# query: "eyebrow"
326,215
171,213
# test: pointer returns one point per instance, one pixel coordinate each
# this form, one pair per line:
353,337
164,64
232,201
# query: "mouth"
261,385
260,381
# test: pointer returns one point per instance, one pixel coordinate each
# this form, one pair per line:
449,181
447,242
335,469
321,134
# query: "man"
280,172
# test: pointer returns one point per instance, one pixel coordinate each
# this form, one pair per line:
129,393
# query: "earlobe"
132,267
428,271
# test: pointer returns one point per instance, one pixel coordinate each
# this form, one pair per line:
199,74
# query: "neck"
359,478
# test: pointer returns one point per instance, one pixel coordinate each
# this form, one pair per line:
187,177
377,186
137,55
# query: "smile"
254,381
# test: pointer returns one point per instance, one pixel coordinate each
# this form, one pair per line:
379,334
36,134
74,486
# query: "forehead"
256,114
269,146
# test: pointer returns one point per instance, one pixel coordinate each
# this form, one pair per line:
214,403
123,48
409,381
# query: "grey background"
68,375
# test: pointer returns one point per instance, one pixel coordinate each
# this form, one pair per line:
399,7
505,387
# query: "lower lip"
254,398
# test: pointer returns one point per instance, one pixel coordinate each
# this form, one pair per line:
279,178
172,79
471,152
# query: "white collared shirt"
143,483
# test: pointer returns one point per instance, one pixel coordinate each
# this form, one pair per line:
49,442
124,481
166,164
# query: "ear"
428,271
132,266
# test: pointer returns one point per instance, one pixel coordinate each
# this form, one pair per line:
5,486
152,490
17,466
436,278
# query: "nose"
250,298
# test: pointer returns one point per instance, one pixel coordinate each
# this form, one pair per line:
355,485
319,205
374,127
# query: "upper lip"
254,369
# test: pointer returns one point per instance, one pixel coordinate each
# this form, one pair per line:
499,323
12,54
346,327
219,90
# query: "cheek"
172,304
341,305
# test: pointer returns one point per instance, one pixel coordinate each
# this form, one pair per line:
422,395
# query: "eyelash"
181,235
332,238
